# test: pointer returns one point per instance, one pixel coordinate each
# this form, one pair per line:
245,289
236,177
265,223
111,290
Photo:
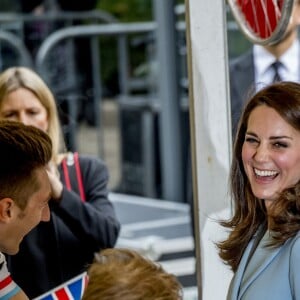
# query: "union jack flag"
71,290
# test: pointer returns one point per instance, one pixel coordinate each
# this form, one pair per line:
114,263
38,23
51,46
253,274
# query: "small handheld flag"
71,290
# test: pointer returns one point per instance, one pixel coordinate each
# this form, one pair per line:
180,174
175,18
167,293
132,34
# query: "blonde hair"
21,77
127,275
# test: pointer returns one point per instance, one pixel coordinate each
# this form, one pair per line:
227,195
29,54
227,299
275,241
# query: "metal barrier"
17,44
121,32
92,31
157,104
166,110
92,16
14,29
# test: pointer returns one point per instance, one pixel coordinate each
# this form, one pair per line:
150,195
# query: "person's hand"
56,184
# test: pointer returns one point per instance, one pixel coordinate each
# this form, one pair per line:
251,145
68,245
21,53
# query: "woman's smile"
270,153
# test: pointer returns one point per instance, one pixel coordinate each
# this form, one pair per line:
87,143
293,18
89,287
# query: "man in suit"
254,69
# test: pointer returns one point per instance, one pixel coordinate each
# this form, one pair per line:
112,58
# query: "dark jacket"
58,250
242,82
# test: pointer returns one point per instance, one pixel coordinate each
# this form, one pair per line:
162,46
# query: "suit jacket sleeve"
94,222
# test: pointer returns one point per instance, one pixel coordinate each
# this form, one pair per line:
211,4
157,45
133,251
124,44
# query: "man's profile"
24,192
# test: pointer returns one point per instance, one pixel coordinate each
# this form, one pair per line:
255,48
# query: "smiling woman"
264,241
270,154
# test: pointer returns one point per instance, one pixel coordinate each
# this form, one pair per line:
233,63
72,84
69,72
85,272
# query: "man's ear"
6,205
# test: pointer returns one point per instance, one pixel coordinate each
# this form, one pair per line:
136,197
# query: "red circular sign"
262,21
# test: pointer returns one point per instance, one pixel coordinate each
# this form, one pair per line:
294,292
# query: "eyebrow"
271,137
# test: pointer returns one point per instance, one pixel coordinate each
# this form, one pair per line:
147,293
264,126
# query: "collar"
290,60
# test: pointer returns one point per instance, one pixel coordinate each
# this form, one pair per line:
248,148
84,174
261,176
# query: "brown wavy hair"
23,150
250,212
125,274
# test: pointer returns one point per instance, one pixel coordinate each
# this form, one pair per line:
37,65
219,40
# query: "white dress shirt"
289,70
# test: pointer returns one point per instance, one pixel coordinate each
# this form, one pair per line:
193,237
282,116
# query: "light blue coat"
272,274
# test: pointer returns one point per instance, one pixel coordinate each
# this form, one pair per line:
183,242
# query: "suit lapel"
238,276
263,257
242,280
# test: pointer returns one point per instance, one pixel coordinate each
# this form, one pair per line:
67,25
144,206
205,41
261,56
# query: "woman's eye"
8,115
280,145
251,140
33,112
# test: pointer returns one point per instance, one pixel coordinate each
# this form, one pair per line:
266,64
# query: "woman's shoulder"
90,160
294,252
83,158
86,161
296,238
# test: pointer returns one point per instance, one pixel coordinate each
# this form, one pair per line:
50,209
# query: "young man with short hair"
24,192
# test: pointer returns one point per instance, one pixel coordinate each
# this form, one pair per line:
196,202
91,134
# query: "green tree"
128,10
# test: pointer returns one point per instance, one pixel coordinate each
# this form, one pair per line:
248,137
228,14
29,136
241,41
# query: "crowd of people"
55,212
81,222
81,219
69,193
25,197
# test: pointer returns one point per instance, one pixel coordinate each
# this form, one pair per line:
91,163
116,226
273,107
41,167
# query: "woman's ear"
6,205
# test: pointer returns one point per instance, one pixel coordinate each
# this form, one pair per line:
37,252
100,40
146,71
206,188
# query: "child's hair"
125,274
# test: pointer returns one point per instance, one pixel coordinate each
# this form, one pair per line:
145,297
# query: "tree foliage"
128,10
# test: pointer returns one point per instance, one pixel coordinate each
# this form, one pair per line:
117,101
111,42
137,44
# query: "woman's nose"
23,118
262,153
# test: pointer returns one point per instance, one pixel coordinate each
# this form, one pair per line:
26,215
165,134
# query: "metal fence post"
170,131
